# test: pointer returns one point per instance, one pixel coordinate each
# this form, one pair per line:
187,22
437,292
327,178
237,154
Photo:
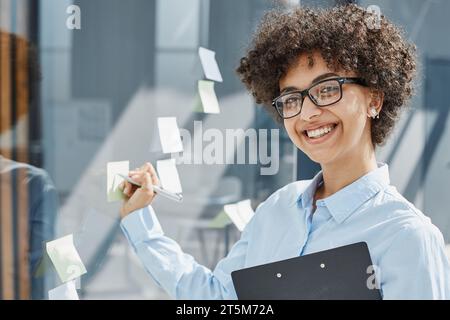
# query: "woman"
337,85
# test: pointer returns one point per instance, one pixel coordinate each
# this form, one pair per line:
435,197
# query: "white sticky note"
67,291
240,213
245,211
65,258
113,179
169,135
168,175
208,96
232,211
209,63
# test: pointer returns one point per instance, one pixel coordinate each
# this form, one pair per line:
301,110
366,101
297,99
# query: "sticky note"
198,106
67,291
220,221
208,96
168,175
240,213
232,212
169,135
65,258
245,211
209,63
113,180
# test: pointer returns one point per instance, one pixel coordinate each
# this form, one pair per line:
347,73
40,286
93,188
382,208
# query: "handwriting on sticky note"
208,96
169,135
113,180
65,258
67,291
168,175
209,63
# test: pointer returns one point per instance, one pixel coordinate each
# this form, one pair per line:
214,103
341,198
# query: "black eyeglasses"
323,93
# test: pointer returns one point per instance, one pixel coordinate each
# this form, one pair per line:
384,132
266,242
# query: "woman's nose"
309,110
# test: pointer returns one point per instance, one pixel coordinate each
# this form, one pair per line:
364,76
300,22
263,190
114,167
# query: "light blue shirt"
408,251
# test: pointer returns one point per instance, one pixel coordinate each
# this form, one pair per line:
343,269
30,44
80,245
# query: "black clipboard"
342,273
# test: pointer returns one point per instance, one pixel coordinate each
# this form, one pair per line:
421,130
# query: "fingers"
153,174
138,197
145,180
147,167
147,185
127,188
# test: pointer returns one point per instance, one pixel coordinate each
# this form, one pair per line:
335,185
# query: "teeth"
317,133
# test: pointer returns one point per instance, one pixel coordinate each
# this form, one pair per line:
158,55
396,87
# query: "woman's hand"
135,197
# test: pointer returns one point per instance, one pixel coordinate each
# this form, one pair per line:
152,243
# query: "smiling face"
333,133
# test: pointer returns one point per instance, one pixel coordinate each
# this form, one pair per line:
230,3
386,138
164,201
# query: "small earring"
374,113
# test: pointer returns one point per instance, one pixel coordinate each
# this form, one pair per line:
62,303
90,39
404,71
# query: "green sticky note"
198,107
43,266
208,96
220,221
113,180
65,258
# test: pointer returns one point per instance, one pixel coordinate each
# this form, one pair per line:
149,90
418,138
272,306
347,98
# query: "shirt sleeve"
43,206
416,266
175,271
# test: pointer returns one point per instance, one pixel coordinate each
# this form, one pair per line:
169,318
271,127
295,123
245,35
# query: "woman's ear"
375,103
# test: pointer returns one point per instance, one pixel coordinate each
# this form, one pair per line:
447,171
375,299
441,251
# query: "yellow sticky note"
65,258
220,221
240,213
169,135
208,96
168,175
198,107
113,179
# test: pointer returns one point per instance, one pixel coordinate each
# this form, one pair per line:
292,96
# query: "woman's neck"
340,174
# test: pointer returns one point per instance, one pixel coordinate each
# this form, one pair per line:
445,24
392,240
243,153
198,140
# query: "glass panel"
73,100
177,24
101,91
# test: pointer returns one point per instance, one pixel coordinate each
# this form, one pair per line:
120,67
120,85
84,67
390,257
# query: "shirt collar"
305,199
344,202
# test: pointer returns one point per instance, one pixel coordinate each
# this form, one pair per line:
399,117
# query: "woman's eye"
329,89
291,102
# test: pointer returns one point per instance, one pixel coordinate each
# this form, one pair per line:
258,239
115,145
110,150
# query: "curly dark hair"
347,41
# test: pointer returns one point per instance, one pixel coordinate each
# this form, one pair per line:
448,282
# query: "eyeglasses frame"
304,93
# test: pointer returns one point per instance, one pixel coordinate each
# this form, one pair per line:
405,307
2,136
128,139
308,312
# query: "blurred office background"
104,86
